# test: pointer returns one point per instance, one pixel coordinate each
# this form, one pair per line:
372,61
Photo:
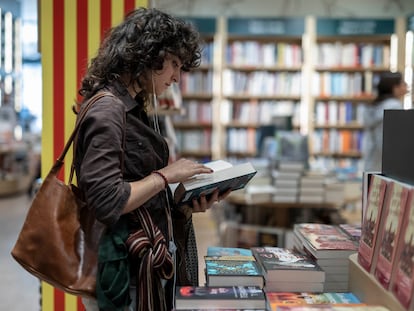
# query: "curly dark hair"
139,44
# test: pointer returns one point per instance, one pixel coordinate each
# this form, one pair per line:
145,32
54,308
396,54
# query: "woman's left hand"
202,204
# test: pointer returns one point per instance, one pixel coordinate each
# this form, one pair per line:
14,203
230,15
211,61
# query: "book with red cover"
285,265
236,297
371,222
402,282
324,240
389,231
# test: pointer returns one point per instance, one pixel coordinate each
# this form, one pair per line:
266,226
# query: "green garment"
113,278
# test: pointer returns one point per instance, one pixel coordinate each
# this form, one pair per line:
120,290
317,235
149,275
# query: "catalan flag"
70,33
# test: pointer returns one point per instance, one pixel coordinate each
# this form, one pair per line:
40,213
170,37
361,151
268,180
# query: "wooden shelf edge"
365,286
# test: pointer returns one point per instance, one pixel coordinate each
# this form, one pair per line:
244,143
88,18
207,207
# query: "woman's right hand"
183,169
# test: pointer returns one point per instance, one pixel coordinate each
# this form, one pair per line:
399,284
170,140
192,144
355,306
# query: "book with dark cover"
397,151
235,297
225,177
285,265
232,272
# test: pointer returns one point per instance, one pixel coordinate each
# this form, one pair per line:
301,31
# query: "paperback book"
278,299
231,252
232,272
225,177
235,297
371,222
389,231
324,240
285,265
402,282
333,308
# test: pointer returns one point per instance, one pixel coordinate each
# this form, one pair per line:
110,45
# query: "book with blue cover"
230,272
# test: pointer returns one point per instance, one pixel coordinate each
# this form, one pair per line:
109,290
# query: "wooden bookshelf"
350,55
261,78
257,67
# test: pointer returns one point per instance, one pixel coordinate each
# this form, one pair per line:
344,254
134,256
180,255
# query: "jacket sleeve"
100,152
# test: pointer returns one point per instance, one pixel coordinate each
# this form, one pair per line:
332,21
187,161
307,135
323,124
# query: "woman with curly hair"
122,165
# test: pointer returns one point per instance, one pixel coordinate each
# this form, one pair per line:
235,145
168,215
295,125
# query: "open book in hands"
225,177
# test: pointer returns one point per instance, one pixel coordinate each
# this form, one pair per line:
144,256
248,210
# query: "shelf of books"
350,53
194,127
261,78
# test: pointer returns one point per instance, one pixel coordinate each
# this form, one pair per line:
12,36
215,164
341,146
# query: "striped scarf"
149,246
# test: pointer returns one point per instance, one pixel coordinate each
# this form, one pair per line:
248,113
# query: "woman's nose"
177,76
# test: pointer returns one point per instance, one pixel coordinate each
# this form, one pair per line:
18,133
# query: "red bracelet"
162,176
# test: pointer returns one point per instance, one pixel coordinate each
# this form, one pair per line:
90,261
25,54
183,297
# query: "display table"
366,287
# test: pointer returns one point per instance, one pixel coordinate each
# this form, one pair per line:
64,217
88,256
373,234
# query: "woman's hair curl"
139,45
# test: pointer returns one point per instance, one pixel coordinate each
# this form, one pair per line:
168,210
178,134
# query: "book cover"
389,232
371,221
236,297
352,230
277,299
287,265
333,308
229,251
402,283
232,272
324,240
225,177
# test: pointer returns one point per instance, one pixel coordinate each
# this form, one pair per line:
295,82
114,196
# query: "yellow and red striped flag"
70,33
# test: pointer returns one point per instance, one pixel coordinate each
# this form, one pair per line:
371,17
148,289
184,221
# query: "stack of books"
312,187
286,181
288,270
331,247
231,266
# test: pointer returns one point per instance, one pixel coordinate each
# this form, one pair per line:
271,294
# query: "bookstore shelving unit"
351,53
319,71
261,78
194,126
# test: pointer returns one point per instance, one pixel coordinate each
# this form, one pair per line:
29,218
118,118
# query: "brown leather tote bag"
58,242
